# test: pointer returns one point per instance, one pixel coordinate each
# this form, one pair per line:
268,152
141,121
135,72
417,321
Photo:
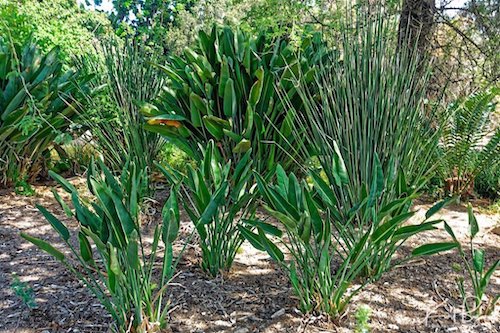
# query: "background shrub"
37,105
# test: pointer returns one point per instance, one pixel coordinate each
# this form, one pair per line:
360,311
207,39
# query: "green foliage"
224,90
475,301
368,97
464,135
22,187
362,318
37,104
218,196
175,158
487,182
51,23
73,157
125,81
24,292
147,20
329,251
112,258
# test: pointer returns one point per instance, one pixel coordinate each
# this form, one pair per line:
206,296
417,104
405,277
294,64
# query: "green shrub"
331,257
218,196
487,182
224,90
112,257
362,317
37,105
465,152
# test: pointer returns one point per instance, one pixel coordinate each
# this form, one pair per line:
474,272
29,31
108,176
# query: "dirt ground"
254,297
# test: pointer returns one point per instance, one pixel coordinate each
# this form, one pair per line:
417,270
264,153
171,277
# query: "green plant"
463,136
487,182
224,90
124,82
53,23
329,251
362,316
22,187
368,97
73,157
112,257
473,260
175,158
37,105
23,291
218,196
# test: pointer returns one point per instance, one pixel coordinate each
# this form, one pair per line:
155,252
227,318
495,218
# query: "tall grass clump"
125,79
368,97
370,100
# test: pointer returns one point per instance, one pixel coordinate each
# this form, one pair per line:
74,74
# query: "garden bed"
254,297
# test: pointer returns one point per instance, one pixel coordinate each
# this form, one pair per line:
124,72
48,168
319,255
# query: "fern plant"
469,146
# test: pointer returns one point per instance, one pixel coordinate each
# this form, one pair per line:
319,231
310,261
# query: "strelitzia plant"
111,256
473,261
37,105
218,197
330,254
224,89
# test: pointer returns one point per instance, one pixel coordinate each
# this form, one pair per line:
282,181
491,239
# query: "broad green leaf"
198,108
171,218
266,227
410,230
289,222
61,202
216,200
340,170
438,206
133,251
474,227
271,248
43,245
55,222
450,231
433,248
242,147
385,231
85,248
256,90
229,98
114,264
324,190
486,278
252,238
67,186
316,220
478,260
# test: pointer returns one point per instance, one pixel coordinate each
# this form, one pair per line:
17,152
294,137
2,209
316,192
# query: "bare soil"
254,297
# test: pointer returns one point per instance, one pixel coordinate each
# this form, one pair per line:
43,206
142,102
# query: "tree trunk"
416,25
